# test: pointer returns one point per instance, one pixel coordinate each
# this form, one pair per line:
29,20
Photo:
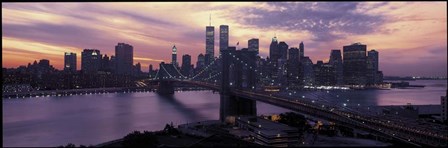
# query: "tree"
137,139
293,119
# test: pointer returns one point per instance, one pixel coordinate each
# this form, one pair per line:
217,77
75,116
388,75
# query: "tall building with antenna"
210,40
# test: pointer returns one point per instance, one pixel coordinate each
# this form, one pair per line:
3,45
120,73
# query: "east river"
97,118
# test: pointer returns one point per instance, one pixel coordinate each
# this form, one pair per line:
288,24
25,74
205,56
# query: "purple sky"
411,37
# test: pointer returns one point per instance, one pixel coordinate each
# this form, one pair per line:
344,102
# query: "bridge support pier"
235,106
231,105
165,88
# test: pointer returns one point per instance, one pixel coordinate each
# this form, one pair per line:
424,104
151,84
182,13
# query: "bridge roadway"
385,127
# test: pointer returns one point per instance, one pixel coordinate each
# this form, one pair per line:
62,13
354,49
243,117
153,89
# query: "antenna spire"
210,20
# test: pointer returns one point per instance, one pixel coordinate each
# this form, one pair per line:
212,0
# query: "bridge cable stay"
179,72
203,70
157,74
206,68
245,64
166,71
212,76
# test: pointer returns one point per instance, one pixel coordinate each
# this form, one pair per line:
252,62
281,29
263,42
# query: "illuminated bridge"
238,96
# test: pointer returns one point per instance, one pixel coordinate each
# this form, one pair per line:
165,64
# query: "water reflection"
93,119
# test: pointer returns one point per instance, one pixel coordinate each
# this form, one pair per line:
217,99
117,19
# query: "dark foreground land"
171,137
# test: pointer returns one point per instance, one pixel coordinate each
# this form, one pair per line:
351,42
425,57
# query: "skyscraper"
150,69
70,62
223,37
293,55
372,56
138,68
274,53
301,50
105,63
336,62
124,54
253,45
355,64
323,74
174,56
113,64
283,48
210,41
307,71
90,60
44,66
372,66
186,64
200,62
293,67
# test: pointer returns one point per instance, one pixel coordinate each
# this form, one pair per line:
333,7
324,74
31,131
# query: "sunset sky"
411,37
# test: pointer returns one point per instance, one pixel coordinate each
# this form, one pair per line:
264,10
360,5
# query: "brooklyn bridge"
235,80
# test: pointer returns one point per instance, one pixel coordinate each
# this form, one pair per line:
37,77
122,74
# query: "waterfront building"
324,74
138,69
355,64
124,54
113,64
70,62
372,67
293,67
336,62
105,63
90,60
268,133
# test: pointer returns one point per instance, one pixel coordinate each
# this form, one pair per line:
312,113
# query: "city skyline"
405,39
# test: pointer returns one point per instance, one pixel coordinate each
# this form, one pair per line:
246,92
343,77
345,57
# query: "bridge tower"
165,81
231,105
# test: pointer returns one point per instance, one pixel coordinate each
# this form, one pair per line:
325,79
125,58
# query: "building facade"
174,56
70,62
274,53
307,71
90,60
444,104
372,67
186,65
336,62
210,41
124,56
253,45
283,49
268,133
301,50
223,37
355,64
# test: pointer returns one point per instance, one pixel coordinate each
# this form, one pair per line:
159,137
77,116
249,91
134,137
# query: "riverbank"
87,91
212,133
